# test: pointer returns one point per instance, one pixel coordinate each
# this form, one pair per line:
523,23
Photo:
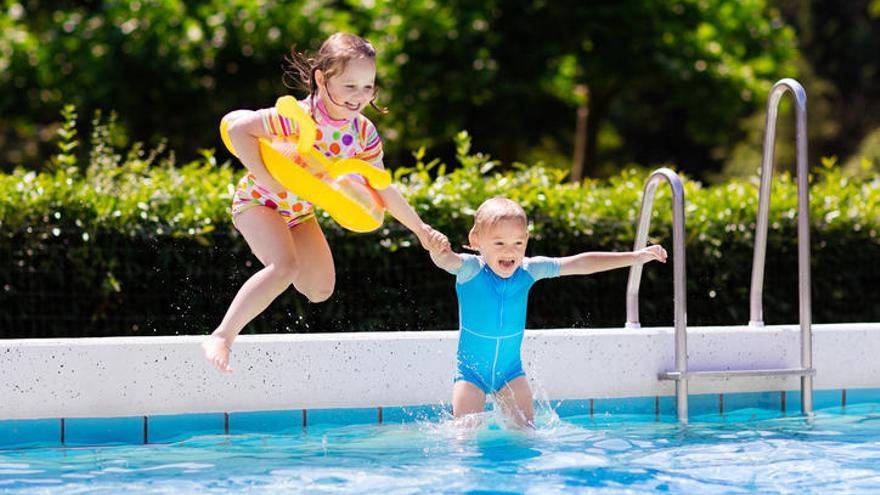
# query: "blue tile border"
733,407
21,433
822,399
354,416
171,428
575,407
103,431
265,421
860,395
703,404
635,405
751,400
666,406
412,414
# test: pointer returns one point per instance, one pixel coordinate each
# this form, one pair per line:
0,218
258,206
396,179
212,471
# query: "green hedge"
135,244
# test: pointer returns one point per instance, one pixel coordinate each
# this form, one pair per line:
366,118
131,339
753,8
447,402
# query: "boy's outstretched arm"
445,258
586,263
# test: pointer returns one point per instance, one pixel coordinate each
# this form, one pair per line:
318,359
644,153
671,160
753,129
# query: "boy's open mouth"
507,264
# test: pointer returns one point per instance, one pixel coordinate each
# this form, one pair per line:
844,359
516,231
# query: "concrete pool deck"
144,376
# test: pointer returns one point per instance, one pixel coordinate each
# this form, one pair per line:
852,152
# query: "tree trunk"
580,134
598,109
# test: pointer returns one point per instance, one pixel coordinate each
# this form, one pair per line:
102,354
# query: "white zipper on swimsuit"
500,327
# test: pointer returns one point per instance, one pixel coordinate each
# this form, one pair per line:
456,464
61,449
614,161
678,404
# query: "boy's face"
350,90
503,246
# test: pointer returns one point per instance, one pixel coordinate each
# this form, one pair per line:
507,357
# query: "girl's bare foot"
217,353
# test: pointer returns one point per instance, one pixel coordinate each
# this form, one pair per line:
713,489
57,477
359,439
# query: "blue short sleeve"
541,267
470,267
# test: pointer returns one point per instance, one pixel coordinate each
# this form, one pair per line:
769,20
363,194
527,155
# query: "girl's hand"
433,240
651,253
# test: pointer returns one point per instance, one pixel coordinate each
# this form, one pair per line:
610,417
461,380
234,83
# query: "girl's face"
503,246
347,93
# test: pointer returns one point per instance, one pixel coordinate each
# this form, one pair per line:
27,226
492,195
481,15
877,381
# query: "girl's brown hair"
299,67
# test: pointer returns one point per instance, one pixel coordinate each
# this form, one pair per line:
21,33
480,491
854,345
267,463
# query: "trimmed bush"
136,244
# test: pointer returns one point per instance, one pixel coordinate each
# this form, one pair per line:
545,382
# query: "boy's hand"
651,253
433,240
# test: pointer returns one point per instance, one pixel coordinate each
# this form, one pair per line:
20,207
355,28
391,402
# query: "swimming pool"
751,450
324,412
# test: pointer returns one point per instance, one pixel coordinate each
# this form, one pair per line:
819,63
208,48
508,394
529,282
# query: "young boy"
493,293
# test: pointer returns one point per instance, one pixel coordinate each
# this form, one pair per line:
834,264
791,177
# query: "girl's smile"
347,93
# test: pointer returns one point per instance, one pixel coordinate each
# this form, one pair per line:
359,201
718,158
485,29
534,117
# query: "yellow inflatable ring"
335,186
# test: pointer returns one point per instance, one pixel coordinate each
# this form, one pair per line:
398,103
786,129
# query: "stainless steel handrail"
678,281
681,374
756,314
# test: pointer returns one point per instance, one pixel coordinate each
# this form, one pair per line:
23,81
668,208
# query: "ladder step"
690,375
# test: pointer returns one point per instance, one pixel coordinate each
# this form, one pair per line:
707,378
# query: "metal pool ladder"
681,375
678,274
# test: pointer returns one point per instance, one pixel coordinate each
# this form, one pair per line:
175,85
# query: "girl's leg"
467,399
516,401
298,256
316,274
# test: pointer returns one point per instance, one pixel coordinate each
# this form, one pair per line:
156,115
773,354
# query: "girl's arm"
400,209
586,263
245,129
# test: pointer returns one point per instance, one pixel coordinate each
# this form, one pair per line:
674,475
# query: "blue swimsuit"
492,317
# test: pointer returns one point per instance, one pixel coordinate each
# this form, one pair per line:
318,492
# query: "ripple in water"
615,454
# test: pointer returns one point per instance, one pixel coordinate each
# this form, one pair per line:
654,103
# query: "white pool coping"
132,376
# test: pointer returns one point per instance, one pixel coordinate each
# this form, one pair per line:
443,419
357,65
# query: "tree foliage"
670,80
840,42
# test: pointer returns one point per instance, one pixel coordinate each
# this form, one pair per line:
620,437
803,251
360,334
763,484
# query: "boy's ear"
473,240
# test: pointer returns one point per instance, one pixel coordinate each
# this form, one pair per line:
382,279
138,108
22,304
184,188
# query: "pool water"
746,452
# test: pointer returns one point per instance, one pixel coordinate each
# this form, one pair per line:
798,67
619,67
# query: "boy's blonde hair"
494,211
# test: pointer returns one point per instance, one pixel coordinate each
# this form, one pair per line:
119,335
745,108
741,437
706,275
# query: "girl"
280,228
493,292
